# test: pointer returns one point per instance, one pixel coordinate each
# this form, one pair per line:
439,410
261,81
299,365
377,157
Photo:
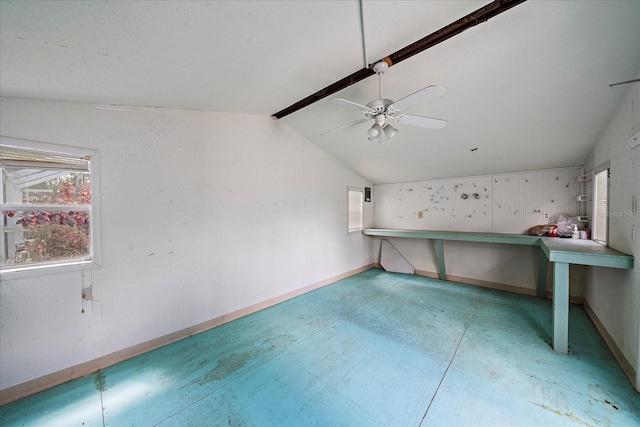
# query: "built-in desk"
560,251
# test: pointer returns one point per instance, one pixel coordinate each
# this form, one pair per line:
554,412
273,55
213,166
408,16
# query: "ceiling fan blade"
348,103
357,122
426,122
423,95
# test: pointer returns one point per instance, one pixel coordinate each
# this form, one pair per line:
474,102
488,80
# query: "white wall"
202,214
506,203
614,295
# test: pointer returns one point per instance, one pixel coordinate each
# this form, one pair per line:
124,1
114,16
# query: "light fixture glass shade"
375,130
390,131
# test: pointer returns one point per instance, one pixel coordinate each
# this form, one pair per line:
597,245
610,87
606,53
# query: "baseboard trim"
36,385
491,285
494,285
626,366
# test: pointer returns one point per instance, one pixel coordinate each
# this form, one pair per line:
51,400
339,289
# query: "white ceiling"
528,89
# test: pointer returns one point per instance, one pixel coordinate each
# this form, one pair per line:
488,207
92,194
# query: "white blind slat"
17,158
601,186
355,210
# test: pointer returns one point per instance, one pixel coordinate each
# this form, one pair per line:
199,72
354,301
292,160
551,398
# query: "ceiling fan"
383,111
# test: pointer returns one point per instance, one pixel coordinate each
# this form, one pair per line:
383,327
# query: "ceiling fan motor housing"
378,107
380,119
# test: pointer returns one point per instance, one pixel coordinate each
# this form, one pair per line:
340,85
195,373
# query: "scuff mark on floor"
571,415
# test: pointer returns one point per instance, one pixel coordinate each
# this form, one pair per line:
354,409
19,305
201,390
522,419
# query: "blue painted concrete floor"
376,349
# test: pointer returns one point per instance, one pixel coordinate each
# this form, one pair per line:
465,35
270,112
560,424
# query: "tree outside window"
46,208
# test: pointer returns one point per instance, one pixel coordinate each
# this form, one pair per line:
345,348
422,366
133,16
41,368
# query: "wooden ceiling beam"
481,15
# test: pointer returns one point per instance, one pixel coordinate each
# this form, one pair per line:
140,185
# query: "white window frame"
95,253
600,223
350,207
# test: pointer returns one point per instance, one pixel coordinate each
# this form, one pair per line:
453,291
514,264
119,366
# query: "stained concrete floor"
376,349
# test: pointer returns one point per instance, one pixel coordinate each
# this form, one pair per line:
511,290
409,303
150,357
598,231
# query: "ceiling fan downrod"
379,68
380,127
479,16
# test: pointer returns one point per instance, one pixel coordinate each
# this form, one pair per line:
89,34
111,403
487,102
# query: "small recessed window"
355,198
47,203
600,204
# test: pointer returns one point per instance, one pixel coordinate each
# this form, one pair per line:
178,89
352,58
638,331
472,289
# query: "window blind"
355,210
29,159
601,206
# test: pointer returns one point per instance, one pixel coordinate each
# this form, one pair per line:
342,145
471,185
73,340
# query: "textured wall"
202,214
505,203
614,295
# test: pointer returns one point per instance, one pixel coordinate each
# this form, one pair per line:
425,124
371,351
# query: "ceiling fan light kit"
375,130
390,131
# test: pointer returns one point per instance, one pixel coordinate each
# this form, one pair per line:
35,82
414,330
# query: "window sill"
9,273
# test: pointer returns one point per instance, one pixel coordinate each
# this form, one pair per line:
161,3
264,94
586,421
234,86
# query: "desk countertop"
557,249
587,252
465,236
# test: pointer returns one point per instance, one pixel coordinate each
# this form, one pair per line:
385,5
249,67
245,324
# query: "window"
600,203
47,203
355,198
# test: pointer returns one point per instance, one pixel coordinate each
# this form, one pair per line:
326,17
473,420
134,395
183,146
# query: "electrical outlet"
546,215
88,294
420,213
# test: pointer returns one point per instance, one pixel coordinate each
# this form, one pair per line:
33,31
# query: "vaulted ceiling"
528,89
